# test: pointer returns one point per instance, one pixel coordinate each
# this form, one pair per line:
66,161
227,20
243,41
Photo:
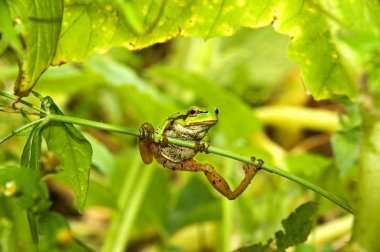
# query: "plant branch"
189,144
270,169
93,124
18,99
211,149
21,129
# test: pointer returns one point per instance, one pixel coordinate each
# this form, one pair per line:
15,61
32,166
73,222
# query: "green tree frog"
191,124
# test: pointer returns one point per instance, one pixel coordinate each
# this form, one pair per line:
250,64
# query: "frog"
191,124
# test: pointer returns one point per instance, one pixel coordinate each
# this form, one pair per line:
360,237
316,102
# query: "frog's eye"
193,112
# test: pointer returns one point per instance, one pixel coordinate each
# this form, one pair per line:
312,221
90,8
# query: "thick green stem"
367,221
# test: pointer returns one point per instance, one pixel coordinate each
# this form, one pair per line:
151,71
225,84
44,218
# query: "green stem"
22,128
270,169
189,144
93,124
18,99
211,149
366,226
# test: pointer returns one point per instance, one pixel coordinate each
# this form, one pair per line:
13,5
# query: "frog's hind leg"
215,179
220,184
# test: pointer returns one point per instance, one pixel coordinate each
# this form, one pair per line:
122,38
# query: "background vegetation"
296,85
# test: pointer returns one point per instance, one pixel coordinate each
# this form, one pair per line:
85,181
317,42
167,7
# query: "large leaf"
73,151
40,23
90,27
100,28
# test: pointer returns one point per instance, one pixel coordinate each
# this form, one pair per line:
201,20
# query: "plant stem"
93,124
270,169
366,227
190,144
18,99
22,128
109,127
211,149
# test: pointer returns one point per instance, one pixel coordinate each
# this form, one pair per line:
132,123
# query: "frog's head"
196,121
199,116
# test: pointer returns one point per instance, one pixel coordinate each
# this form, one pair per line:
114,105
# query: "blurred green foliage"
148,208
128,88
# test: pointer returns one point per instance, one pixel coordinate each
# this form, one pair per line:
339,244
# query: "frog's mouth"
206,122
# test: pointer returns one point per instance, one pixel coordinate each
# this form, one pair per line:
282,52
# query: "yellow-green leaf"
40,24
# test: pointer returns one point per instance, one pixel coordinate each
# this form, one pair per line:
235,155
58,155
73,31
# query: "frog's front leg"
202,145
215,179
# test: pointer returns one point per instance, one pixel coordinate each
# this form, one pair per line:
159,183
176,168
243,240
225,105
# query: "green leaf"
297,226
100,25
73,151
30,158
357,42
311,46
40,24
32,193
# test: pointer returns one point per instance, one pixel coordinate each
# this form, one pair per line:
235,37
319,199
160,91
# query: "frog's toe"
201,147
164,141
146,131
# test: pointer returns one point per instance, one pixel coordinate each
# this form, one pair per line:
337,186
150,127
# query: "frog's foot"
215,179
201,146
145,142
249,168
163,141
